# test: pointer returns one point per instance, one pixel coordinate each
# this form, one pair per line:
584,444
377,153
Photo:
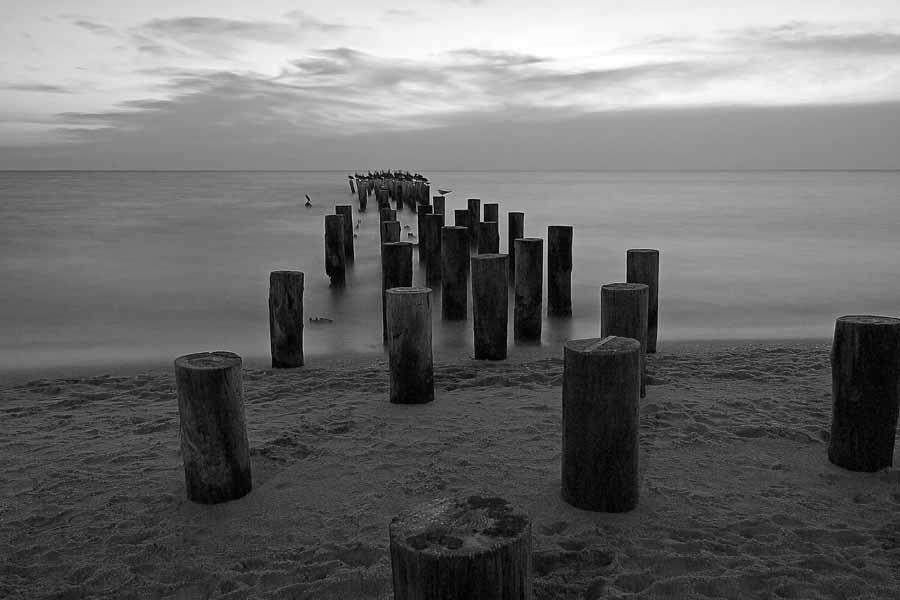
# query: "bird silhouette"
308,201
444,191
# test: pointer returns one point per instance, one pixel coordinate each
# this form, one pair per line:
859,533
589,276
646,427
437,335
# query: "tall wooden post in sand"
600,423
461,217
430,236
474,207
490,305
346,211
492,212
409,345
488,238
623,312
529,289
286,319
214,444
516,231
440,204
865,389
642,266
559,270
396,271
454,273
335,260
461,549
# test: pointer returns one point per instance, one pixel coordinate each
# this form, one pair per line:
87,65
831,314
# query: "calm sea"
111,268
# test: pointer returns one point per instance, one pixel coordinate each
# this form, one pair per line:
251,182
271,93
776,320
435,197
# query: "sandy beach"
737,500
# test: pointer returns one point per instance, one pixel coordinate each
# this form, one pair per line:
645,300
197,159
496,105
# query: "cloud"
36,87
806,38
496,58
94,27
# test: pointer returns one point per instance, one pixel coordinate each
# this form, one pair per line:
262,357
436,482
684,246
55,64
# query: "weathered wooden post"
865,389
425,194
474,207
461,217
623,312
362,195
381,197
440,204
559,270
409,344
490,305
421,211
600,423
488,237
214,444
529,292
461,549
335,260
286,319
431,237
396,271
492,212
642,266
346,211
454,273
387,214
390,231
516,231
352,188
402,192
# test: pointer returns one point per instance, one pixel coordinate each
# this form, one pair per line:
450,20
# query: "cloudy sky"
455,84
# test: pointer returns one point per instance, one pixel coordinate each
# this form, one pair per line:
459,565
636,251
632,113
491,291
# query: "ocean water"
111,268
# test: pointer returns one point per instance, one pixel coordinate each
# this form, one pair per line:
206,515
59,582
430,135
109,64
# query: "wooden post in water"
362,195
390,232
387,214
346,211
335,260
559,270
865,389
440,205
409,344
474,207
642,266
623,312
421,211
396,271
529,289
214,444
454,273
492,212
401,194
286,319
516,231
381,197
431,237
600,423
461,549
352,188
488,238
490,305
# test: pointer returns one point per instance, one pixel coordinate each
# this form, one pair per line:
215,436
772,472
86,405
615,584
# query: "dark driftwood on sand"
431,238
490,305
409,345
529,290
559,270
515,231
286,318
454,273
642,266
461,549
623,312
346,211
396,271
865,384
488,238
335,259
214,444
600,423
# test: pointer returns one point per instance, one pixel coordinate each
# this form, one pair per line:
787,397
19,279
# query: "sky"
450,84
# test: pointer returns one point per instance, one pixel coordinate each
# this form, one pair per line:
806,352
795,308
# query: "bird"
411,234
444,191
308,201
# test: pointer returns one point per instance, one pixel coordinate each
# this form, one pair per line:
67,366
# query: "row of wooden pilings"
404,191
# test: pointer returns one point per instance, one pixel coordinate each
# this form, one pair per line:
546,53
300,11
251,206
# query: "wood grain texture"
286,319
396,271
515,231
490,305
346,211
454,273
335,259
529,290
642,266
623,312
409,345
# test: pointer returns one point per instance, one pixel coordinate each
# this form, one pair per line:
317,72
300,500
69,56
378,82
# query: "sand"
738,499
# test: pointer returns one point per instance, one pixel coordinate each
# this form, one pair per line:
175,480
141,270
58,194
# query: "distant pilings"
286,319
516,231
490,305
396,271
559,270
529,283
335,259
642,266
865,389
346,211
454,272
623,312
409,345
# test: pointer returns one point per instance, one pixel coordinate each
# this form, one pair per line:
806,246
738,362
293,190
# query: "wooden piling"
474,207
642,266
865,389
362,195
386,214
454,273
440,204
529,292
461,549
488,238
382,197
346,211
352,188
390,231
559,270
490,305
516,231
492,212
409,344
600,423
461,217
623,312
421,211
335,259
431,237
396,271
286,319
213,431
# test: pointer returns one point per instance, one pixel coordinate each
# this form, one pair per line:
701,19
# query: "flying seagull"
308,201
443,192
